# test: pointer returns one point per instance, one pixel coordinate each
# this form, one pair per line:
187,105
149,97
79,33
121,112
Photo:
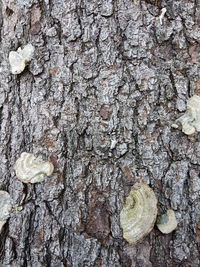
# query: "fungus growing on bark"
190,121
167,223
5,207
20,58
30,169
139,213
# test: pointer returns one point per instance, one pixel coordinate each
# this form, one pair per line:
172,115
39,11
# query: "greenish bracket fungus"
5,207
190,121
167,223
30,169
20,58
139,213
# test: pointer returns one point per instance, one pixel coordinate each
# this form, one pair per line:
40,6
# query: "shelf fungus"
30,169
190,121
139,213
5,207
167,223
20,58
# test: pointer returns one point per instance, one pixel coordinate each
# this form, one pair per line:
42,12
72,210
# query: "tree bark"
98,99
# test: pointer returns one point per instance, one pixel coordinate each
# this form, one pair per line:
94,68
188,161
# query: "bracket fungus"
138,216
167,223
5,207
30,169
20,58
190,121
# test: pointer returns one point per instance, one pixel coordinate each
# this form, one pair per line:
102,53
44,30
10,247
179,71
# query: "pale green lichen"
167,223
139,213
190,121
30,169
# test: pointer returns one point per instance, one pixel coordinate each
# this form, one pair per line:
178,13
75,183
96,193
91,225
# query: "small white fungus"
20,58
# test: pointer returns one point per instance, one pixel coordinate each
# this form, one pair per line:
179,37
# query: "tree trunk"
98,99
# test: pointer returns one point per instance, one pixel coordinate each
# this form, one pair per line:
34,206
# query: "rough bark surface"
98,100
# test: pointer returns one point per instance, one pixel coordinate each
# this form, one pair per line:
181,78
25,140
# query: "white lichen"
190,121
5,207
20,58
139,213
163,11
30,169
167,223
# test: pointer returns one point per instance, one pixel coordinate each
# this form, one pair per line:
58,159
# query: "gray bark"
98,100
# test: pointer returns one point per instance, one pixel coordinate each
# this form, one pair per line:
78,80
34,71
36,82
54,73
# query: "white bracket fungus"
30,169
190,121
167,223
5,207
20,58
139,213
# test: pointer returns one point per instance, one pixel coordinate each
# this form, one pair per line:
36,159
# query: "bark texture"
98,100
